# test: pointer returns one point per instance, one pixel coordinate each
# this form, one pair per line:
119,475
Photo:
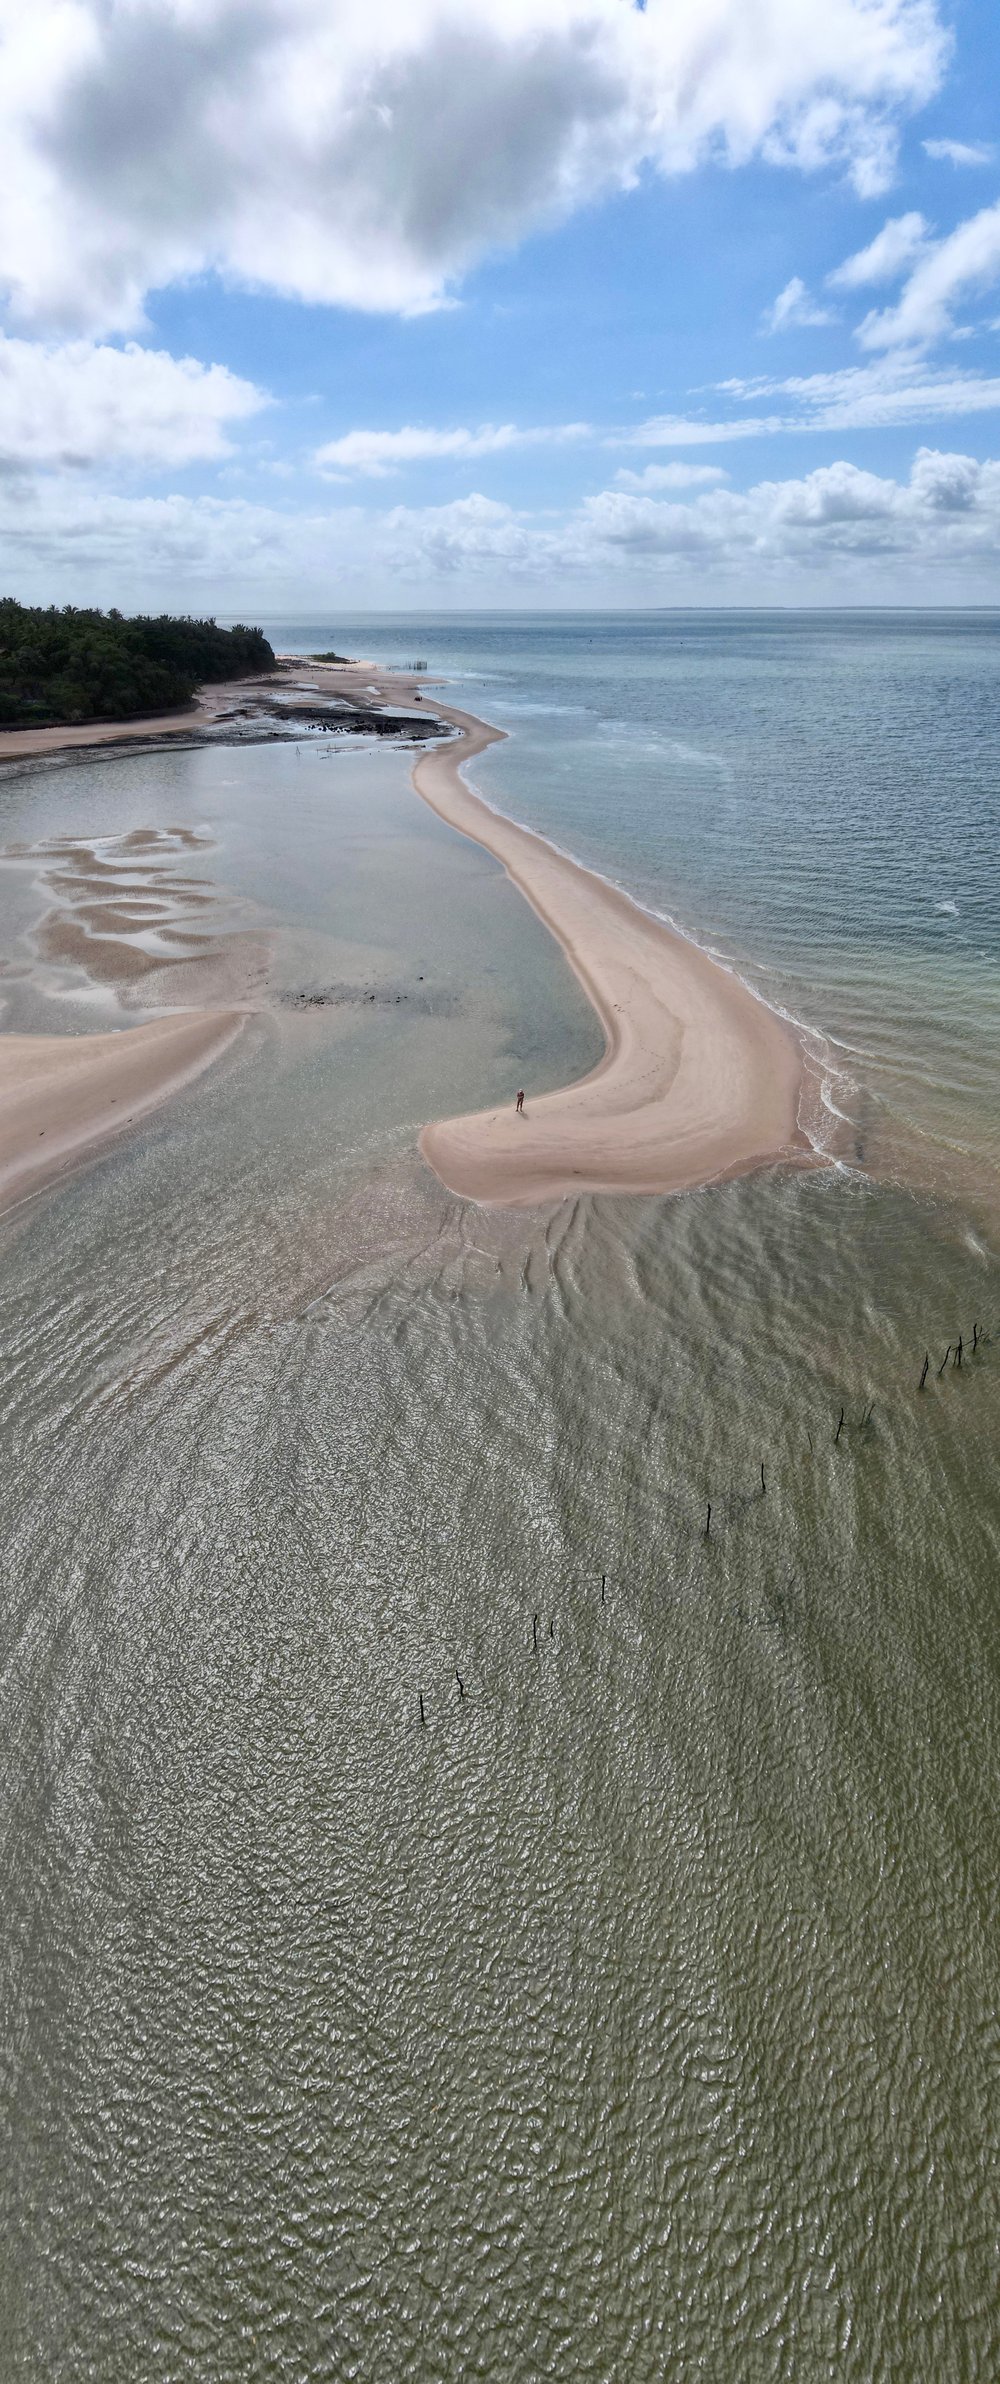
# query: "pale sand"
25,744
207,711
61,1096
699,1080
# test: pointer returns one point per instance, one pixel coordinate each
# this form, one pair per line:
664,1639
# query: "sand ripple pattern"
130,912
636,2016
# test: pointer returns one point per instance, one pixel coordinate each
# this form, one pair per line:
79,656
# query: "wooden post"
958,1351
839,1429
603,1580
461,1690
923,1377
763,1484
708,1522
534,1632
944,1361
423,1718
975,1338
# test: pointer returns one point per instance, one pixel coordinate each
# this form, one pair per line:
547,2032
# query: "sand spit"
699,1080
61,1096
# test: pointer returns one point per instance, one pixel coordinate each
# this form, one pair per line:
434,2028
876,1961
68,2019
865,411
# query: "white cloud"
794,309
832,534
962,153
83,404
376,453
896,390
831,522
680,430
343,153
886,257
968,259
662,476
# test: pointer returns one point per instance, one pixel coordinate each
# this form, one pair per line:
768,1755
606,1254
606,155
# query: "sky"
311,306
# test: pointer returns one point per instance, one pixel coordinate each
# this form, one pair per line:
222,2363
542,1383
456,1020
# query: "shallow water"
815,796
635,2014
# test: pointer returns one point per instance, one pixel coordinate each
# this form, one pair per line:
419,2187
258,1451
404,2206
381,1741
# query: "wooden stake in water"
944,1361
708,1523
534,1632
603,1580
839,1429
763,1484
923,1377
423,1717
461,1689
958,1351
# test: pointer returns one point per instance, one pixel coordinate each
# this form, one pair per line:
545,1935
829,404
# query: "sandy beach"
699,1080
61,1096
37,744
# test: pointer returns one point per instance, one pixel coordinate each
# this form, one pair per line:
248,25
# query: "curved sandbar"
699,1079
61,1096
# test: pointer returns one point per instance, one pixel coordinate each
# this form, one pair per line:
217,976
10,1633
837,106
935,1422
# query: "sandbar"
699,1080
61,1096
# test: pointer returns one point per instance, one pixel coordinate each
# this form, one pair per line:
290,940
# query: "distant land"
67,666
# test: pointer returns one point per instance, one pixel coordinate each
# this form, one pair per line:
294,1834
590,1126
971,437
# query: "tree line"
68,664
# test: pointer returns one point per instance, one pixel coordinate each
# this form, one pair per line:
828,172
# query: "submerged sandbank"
62,1096
699,1079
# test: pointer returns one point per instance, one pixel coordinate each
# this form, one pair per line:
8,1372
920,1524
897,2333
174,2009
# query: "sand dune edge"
699,1080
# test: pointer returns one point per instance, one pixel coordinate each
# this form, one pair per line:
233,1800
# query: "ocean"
469,1910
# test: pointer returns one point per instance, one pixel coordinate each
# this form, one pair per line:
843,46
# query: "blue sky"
309,306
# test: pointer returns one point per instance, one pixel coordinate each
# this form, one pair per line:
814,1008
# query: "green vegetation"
329,657
69,665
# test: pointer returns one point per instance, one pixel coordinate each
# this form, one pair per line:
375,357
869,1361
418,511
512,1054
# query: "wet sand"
265,703
62,1096
35,744
699,1079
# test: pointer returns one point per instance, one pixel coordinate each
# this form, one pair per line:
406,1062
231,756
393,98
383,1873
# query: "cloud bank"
837,532
368,157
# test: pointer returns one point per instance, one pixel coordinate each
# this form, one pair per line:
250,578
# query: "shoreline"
64,1097
699,1080
236,712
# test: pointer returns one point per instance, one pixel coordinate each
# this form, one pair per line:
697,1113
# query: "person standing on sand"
520,1103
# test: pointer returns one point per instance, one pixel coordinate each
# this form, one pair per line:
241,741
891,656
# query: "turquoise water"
633,2013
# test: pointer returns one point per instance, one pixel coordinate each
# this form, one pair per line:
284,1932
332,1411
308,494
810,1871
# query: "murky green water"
635,2014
